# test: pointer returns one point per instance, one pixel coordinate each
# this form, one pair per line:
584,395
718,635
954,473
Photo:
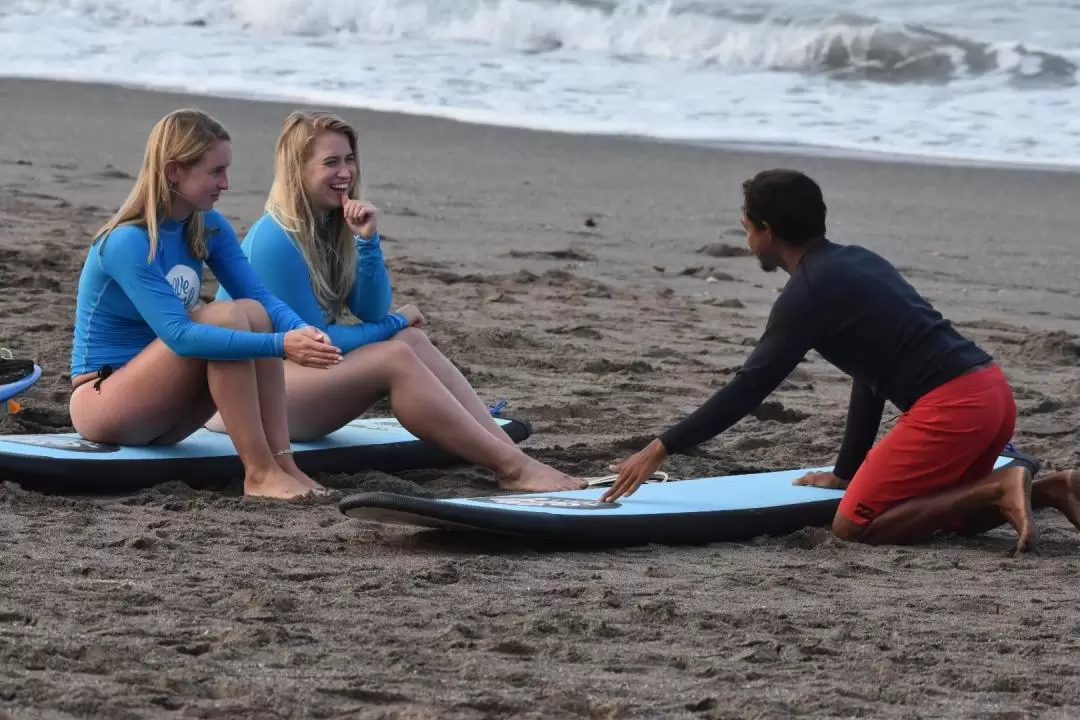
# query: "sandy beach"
602,288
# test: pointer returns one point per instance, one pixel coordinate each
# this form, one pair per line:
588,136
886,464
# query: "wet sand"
569,276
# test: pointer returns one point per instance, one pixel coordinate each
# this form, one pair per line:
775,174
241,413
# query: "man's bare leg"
1061,491
1007,490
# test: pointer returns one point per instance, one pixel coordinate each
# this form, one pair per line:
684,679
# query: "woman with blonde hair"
149,363
317,248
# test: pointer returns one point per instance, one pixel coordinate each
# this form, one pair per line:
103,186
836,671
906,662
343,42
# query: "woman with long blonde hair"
317,248
150,363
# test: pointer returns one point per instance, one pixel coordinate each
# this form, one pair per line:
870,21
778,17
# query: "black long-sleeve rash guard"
854,308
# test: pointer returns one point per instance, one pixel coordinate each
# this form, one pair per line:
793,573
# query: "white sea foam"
978,79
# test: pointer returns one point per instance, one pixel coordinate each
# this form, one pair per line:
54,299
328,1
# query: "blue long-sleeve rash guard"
125,302
281,267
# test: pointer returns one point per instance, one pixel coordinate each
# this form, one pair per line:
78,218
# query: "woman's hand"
412,314
360,216
311,347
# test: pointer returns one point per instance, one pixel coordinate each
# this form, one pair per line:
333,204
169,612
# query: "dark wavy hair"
787,201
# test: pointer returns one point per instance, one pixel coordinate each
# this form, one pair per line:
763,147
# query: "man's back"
872,324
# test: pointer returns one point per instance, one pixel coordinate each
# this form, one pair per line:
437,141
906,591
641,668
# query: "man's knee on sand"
846,529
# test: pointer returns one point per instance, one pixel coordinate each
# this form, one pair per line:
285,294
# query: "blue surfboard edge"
10,390
577,518
101,468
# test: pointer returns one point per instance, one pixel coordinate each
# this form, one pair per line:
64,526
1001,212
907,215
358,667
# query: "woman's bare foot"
275,483
1015,504
1060,491
534,476
288,464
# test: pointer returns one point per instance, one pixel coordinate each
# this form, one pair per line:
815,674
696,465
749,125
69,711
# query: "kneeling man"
935,469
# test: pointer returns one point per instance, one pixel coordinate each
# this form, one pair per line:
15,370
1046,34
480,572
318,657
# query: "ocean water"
974,80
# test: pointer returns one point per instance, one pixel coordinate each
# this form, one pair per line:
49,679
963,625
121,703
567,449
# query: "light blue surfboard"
702,510
207,457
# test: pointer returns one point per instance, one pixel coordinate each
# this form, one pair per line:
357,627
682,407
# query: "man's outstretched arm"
789,335
863,421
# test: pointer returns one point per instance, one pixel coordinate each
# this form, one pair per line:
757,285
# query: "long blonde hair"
328,247
183,137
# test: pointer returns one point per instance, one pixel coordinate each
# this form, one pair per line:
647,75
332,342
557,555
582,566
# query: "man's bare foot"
1060,491
1015,504
274,483
534,476
286,463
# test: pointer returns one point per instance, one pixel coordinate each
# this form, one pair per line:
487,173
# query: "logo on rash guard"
186,284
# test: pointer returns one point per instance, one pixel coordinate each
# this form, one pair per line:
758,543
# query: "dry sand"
566,275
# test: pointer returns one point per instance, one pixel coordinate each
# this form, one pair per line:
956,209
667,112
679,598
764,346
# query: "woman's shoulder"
266,226
123,239
214,220
269,237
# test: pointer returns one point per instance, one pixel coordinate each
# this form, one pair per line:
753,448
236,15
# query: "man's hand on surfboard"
311,347
821,480
635,470
360,216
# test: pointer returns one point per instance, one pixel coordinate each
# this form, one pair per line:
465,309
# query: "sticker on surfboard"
609,480
70,443
561,503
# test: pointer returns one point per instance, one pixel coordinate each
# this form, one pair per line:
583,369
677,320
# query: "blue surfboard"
209,457
702,510
17,387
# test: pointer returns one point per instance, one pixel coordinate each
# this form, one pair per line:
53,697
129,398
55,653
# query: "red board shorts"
952,435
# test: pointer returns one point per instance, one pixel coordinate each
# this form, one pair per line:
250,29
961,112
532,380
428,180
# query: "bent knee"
396,354
413,337
257,316
223,313
845,529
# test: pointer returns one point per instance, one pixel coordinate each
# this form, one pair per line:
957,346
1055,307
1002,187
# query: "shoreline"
482,119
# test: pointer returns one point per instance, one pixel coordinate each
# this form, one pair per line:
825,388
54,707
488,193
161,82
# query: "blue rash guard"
125,302
281,267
